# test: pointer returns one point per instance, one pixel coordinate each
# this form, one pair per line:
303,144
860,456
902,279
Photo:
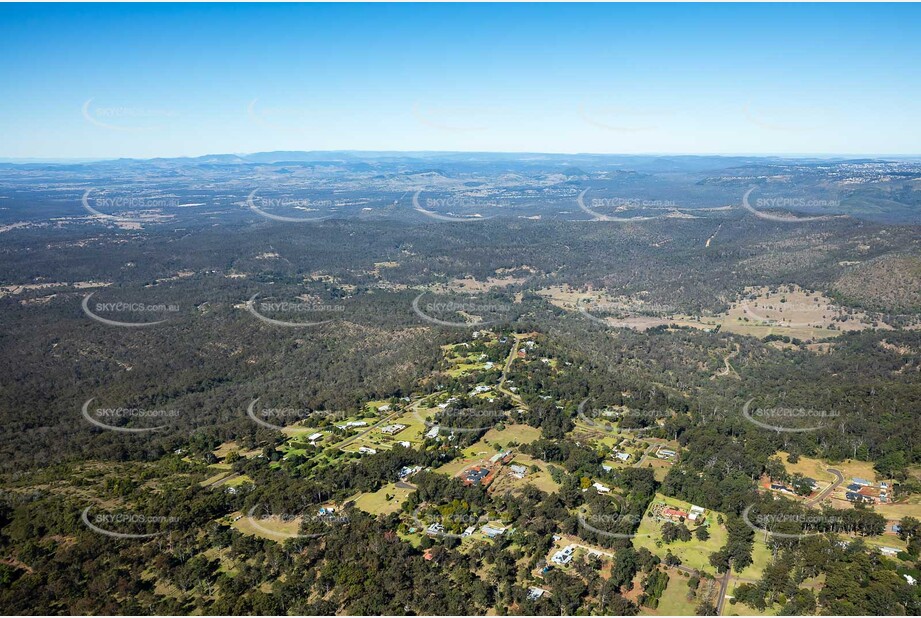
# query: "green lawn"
693,554
377,504
674,600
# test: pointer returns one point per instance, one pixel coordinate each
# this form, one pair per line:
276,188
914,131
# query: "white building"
602,489
535,593
366,450
564,556
391,430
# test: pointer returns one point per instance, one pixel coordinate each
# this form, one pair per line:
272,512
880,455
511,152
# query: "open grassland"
384,501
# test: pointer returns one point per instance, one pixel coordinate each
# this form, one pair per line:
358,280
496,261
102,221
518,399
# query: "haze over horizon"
101,82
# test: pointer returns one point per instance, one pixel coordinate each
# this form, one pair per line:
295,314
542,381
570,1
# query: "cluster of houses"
862,490
489,531
782,488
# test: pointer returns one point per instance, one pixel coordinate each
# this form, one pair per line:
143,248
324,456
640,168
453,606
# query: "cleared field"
761,558
239,480
541,480
377,503
790,311
273,528
809,467
659,467
787,310
674,601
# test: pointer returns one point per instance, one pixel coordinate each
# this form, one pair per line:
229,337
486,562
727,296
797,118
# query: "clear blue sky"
172,80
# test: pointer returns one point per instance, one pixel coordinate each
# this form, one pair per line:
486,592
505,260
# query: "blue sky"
184,80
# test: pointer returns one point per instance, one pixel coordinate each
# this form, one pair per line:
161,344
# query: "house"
351,424
502,456
325,510
407,471
911,580
860,481
432,433
404,444
469,531
606,467
392,430
482,388
665,453
435,529
696,514
491,531
315,436
536,593
854,487
477,475
366,450
384,408
888,551
518,471
564,556
601,489
624,457
781,487
673,514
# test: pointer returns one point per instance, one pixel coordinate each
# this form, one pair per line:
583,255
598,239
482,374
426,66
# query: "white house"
564,556
366,450
602,489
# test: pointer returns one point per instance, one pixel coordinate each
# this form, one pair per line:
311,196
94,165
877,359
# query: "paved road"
839,479
646,453
724,588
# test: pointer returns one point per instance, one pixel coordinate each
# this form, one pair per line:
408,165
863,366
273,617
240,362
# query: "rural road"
839,479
